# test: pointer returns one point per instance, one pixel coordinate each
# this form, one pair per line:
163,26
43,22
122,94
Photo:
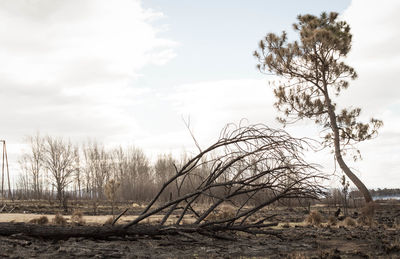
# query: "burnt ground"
297,242
382,240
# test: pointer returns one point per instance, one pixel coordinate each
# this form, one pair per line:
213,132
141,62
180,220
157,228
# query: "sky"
130,72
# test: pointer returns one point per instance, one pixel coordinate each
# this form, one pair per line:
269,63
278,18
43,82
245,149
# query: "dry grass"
43,220
332,221
109,221
393,247
350,222
314,218
397,222
77,218
297,255
59,220
186,222
367,214
369,209
285,225
224,212
137,206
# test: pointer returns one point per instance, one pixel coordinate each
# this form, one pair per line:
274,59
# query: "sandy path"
25,217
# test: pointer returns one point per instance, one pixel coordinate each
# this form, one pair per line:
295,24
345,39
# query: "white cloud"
68,68
375,53
211,105
376,57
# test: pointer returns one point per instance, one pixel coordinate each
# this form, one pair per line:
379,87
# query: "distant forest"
385,192
56,169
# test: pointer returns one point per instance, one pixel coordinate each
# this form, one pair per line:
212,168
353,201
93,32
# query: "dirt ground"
291,239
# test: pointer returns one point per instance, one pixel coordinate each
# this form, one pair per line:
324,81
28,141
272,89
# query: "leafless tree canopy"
248,168
59,160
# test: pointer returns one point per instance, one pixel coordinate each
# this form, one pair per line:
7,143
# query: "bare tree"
164,169
88,172
22,184
59,160
134,174
110,191
98,168
78,180
33,163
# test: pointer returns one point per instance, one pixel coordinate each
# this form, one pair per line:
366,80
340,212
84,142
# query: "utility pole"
5,162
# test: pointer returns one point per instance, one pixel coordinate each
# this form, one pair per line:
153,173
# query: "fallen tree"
248,168
56,232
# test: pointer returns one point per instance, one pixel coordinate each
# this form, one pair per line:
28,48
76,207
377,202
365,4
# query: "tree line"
385,192
54,168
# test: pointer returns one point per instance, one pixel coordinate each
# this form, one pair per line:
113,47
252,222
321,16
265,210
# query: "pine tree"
315,73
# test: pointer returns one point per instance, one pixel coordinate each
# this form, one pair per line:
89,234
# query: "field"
293,237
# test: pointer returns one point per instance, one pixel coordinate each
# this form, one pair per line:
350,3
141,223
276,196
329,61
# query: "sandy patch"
26,217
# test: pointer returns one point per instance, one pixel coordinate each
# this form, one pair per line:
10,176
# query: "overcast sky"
126,72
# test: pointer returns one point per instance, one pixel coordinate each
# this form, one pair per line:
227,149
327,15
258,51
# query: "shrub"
314,218
136,206
77,218
59,220
40,221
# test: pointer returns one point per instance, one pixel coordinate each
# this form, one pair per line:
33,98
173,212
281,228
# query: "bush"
77,218
314,218
59,220
40,221
136,206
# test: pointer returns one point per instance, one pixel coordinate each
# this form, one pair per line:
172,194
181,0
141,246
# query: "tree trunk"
105,232
357,182
59,196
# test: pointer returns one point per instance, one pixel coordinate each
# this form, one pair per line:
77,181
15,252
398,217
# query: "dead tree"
59,160
249,168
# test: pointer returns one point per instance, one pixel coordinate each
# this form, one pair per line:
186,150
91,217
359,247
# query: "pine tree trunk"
357,182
